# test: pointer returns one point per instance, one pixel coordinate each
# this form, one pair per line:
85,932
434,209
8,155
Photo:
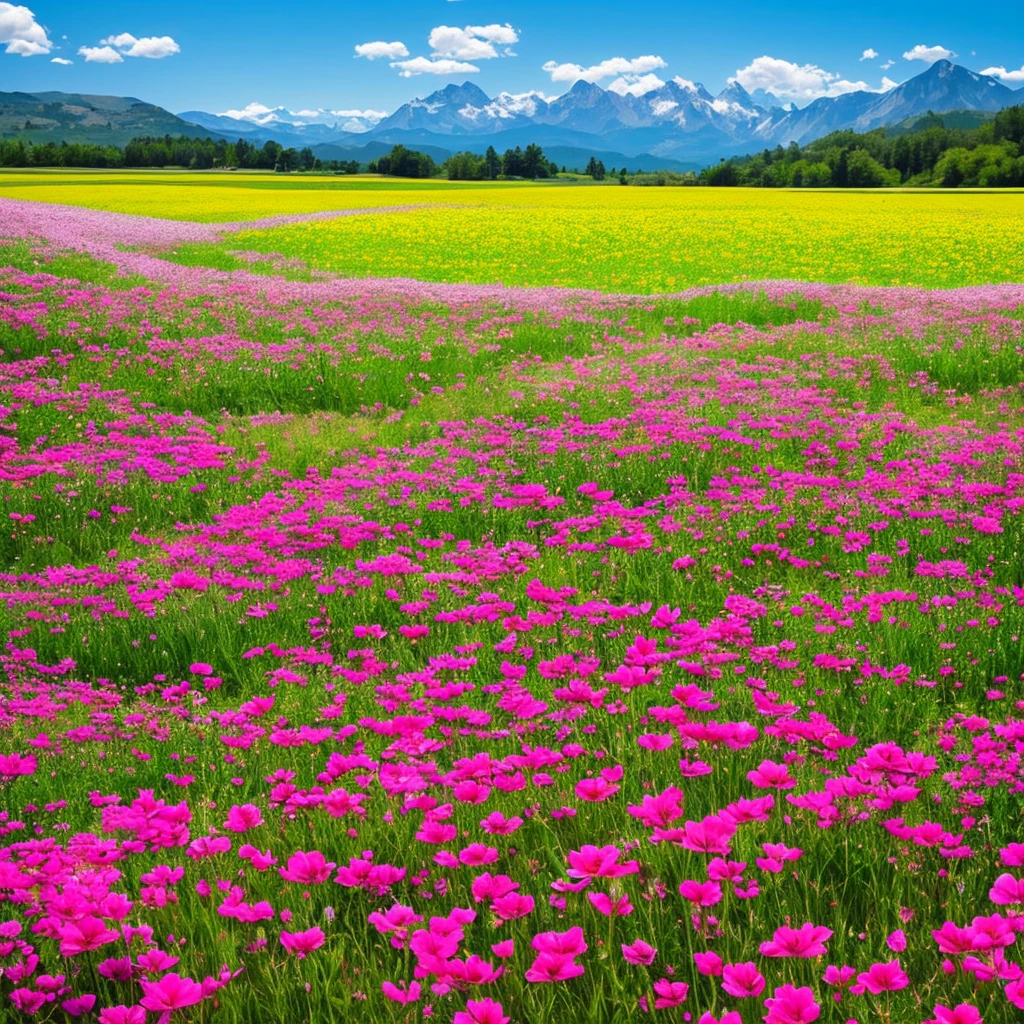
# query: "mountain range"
677,125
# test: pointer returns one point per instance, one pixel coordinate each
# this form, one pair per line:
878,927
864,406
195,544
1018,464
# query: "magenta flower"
553,967
709,964
742,980
769,775
122,1015
481,1011
963,1013
243,817
599,862
307,868
887,977
301,943
790,1005
1007,891
617,906
86,934
171,992
668,994
806,941
639,952
401,994
701,894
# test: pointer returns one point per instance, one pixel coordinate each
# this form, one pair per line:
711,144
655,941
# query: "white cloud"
888,64
659,108
153,47
100,55
474,42
372,51
929,54
61,60
112,49
887,84
24,36
606,69
869,54
797,82
122,41
424,66
635,85
1006,76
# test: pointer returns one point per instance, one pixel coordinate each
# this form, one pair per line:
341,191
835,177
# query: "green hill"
75,117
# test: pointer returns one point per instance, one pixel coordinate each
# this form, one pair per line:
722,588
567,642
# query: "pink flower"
307,868
480,1011
709,964
790,1005
599,862
243,817
639,952
611,907
28,1000
401,995
553,967
171,992
742,980
503,950
1007,891
964,1013
79,1006
669,993
85,934
301,943
769,775
701,894
512,906
888,977
568,943
806,941
122,1015
595,790
897,941
201,668
732,1017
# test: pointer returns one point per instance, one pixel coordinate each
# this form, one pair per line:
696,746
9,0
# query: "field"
636,240
383,649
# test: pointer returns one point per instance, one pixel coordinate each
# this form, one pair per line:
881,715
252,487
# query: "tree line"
169,151
990,155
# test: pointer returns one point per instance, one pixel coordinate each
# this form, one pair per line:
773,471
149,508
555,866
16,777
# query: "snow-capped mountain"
258,123
678,119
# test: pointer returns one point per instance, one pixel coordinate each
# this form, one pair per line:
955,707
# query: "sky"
359,57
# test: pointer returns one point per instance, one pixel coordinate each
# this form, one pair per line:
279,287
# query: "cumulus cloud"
869,54
796,82
373,51
611,68
61,60
24,36
635,85
1006,76
888,64
929,54
115,48
474,42
100,55
425,66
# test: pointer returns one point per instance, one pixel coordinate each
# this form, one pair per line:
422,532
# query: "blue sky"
218,56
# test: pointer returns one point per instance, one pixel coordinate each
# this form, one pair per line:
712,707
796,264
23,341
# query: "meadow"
383,650
610,238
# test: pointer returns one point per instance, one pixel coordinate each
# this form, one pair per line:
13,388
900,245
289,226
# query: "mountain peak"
584,88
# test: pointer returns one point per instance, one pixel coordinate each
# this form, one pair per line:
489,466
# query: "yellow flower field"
606,237
654,239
